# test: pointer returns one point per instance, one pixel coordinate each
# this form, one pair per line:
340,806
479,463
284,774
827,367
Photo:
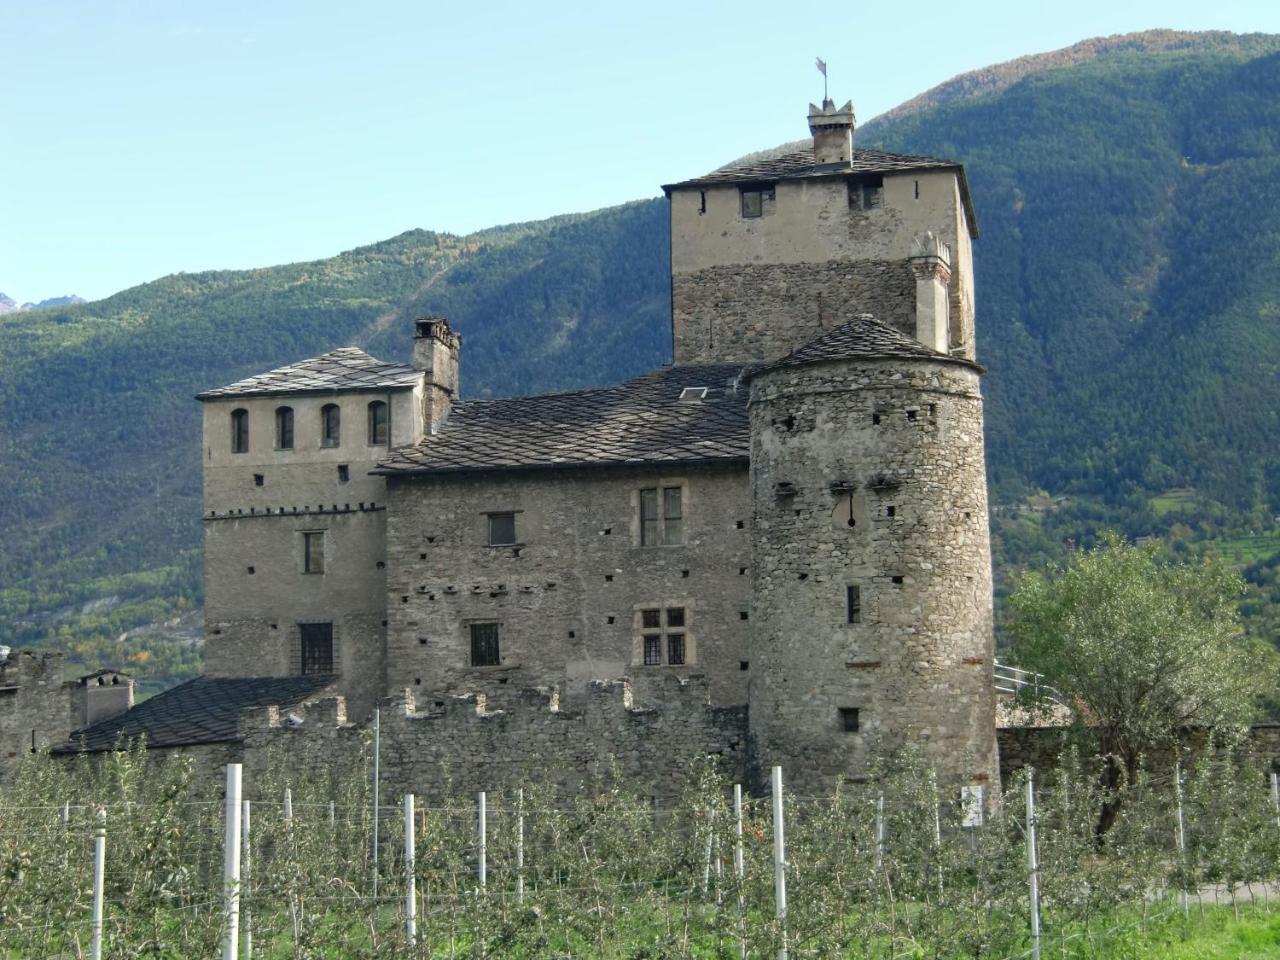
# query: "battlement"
23,667
524,735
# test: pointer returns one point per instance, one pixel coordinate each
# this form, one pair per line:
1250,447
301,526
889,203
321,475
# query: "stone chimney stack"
100,696
435,353
931,263
832,131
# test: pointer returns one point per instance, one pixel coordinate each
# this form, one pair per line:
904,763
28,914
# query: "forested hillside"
1128,295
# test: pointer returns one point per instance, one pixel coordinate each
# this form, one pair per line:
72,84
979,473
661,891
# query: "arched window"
239,431
284,428
379,423
330,425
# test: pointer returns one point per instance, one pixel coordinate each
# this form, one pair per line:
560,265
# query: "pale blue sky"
143,137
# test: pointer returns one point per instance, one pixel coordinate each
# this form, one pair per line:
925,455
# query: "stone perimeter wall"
525,738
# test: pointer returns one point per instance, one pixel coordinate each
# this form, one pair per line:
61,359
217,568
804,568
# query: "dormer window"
284,428
753,200
330,425
379,423
239,431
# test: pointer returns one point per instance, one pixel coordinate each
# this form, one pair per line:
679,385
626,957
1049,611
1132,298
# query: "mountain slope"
1127,294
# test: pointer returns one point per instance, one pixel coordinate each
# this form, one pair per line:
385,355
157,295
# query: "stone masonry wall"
33,699
889,496
567,596
521,738
762,311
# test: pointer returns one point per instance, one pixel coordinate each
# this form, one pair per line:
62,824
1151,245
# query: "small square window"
259,479
752,204
849,720
853,604
675,617
344,473
502,529
484,645
651,619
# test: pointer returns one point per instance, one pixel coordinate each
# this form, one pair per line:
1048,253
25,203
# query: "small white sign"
971,806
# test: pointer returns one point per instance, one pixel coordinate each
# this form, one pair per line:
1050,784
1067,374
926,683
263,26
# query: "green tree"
1143,648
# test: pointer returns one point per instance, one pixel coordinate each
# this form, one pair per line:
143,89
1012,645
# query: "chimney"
832,131
435,353
931,263
100,696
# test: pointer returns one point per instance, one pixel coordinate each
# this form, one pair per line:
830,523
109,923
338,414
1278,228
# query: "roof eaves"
504,468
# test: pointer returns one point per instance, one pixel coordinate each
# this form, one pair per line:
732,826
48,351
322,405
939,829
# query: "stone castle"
774,549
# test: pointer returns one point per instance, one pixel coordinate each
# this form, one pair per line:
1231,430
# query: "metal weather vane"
822,69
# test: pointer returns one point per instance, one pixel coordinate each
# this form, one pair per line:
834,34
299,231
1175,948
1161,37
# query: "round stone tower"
872,618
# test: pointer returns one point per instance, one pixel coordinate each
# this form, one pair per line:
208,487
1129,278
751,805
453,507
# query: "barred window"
662,636
317,647
484,645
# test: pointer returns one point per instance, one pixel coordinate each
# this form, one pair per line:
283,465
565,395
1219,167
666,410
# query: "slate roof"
790,166
639,421
347,368
863,338
204,710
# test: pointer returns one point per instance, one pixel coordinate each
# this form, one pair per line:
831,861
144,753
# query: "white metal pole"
706,855
1275,796
231,864
66,807
1033,863
937,827
333,817
482,830
246,870
880,831
377,750
99,878
1182,834
779,861
288,805
739,867
410,880
520,845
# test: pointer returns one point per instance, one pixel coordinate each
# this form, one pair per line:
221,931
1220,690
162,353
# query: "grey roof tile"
347,368
800,164
204,710
639,421
863,338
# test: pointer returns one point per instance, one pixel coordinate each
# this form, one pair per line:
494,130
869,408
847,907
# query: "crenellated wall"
463,744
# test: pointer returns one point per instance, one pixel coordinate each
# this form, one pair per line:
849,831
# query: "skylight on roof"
693,394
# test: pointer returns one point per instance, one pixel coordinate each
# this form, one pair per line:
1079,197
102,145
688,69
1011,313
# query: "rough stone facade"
36,709
872,610
751,311
754,288
567,596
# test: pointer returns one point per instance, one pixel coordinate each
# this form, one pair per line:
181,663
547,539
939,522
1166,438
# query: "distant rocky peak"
9,305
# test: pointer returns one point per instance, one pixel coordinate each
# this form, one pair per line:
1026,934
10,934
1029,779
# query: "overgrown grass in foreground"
606,874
